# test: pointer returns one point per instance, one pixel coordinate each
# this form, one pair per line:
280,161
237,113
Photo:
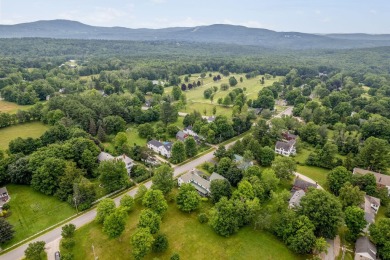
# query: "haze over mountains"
217,33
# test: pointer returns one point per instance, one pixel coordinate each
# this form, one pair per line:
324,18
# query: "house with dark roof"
365,249
201,184
288,136
4,196
163,148
285,148
382,180
129,163
300,184
241,163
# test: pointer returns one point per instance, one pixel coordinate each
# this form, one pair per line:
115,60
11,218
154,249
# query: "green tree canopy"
323,210
163,179
188,198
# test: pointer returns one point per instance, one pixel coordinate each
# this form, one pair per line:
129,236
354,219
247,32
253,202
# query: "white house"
129,163
188,130
285,148
4,196
160,148
364,249
201,184
382,180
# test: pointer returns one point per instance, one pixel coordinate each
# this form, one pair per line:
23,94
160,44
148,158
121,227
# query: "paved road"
87,217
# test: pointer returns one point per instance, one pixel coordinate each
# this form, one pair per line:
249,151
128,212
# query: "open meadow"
32,129
186,236
32,211
11,108
196,100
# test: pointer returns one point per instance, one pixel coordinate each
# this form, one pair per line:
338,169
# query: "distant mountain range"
217,33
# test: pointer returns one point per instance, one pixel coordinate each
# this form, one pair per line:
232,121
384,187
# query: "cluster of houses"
165,148
286,147
364,248
199,180
4,196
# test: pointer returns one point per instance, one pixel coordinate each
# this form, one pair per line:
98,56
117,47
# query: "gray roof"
181,135
284,145
3,190
188,127
155,143
300,184
168,146
216,176
103,156
365,247
369,212
238,158
295,199
380,178
193,177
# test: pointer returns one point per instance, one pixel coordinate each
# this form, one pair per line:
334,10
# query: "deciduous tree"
188,198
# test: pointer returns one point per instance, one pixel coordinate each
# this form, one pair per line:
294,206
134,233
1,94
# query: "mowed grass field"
10,107
195,98
33,129
186,236
32,211
315,173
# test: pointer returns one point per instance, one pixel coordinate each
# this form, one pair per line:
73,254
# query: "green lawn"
11,108
200,107
33,129
315,173
186,236
195,96
32,211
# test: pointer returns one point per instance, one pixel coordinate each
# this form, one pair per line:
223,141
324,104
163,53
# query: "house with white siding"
163,149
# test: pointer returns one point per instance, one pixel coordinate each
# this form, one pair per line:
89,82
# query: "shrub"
202,217
68,243
387,213
67,256
6,206
175,256
160,244
68,231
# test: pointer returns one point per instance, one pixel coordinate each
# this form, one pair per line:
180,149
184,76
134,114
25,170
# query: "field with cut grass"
32,211
195,98
186,236
11,108
33,129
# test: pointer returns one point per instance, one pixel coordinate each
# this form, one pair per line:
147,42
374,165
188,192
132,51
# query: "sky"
310,16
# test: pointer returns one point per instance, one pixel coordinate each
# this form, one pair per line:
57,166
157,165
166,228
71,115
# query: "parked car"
57,255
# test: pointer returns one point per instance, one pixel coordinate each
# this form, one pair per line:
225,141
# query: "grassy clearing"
33,129
186,236
195,96
315,173
11,108
201,107
32,211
